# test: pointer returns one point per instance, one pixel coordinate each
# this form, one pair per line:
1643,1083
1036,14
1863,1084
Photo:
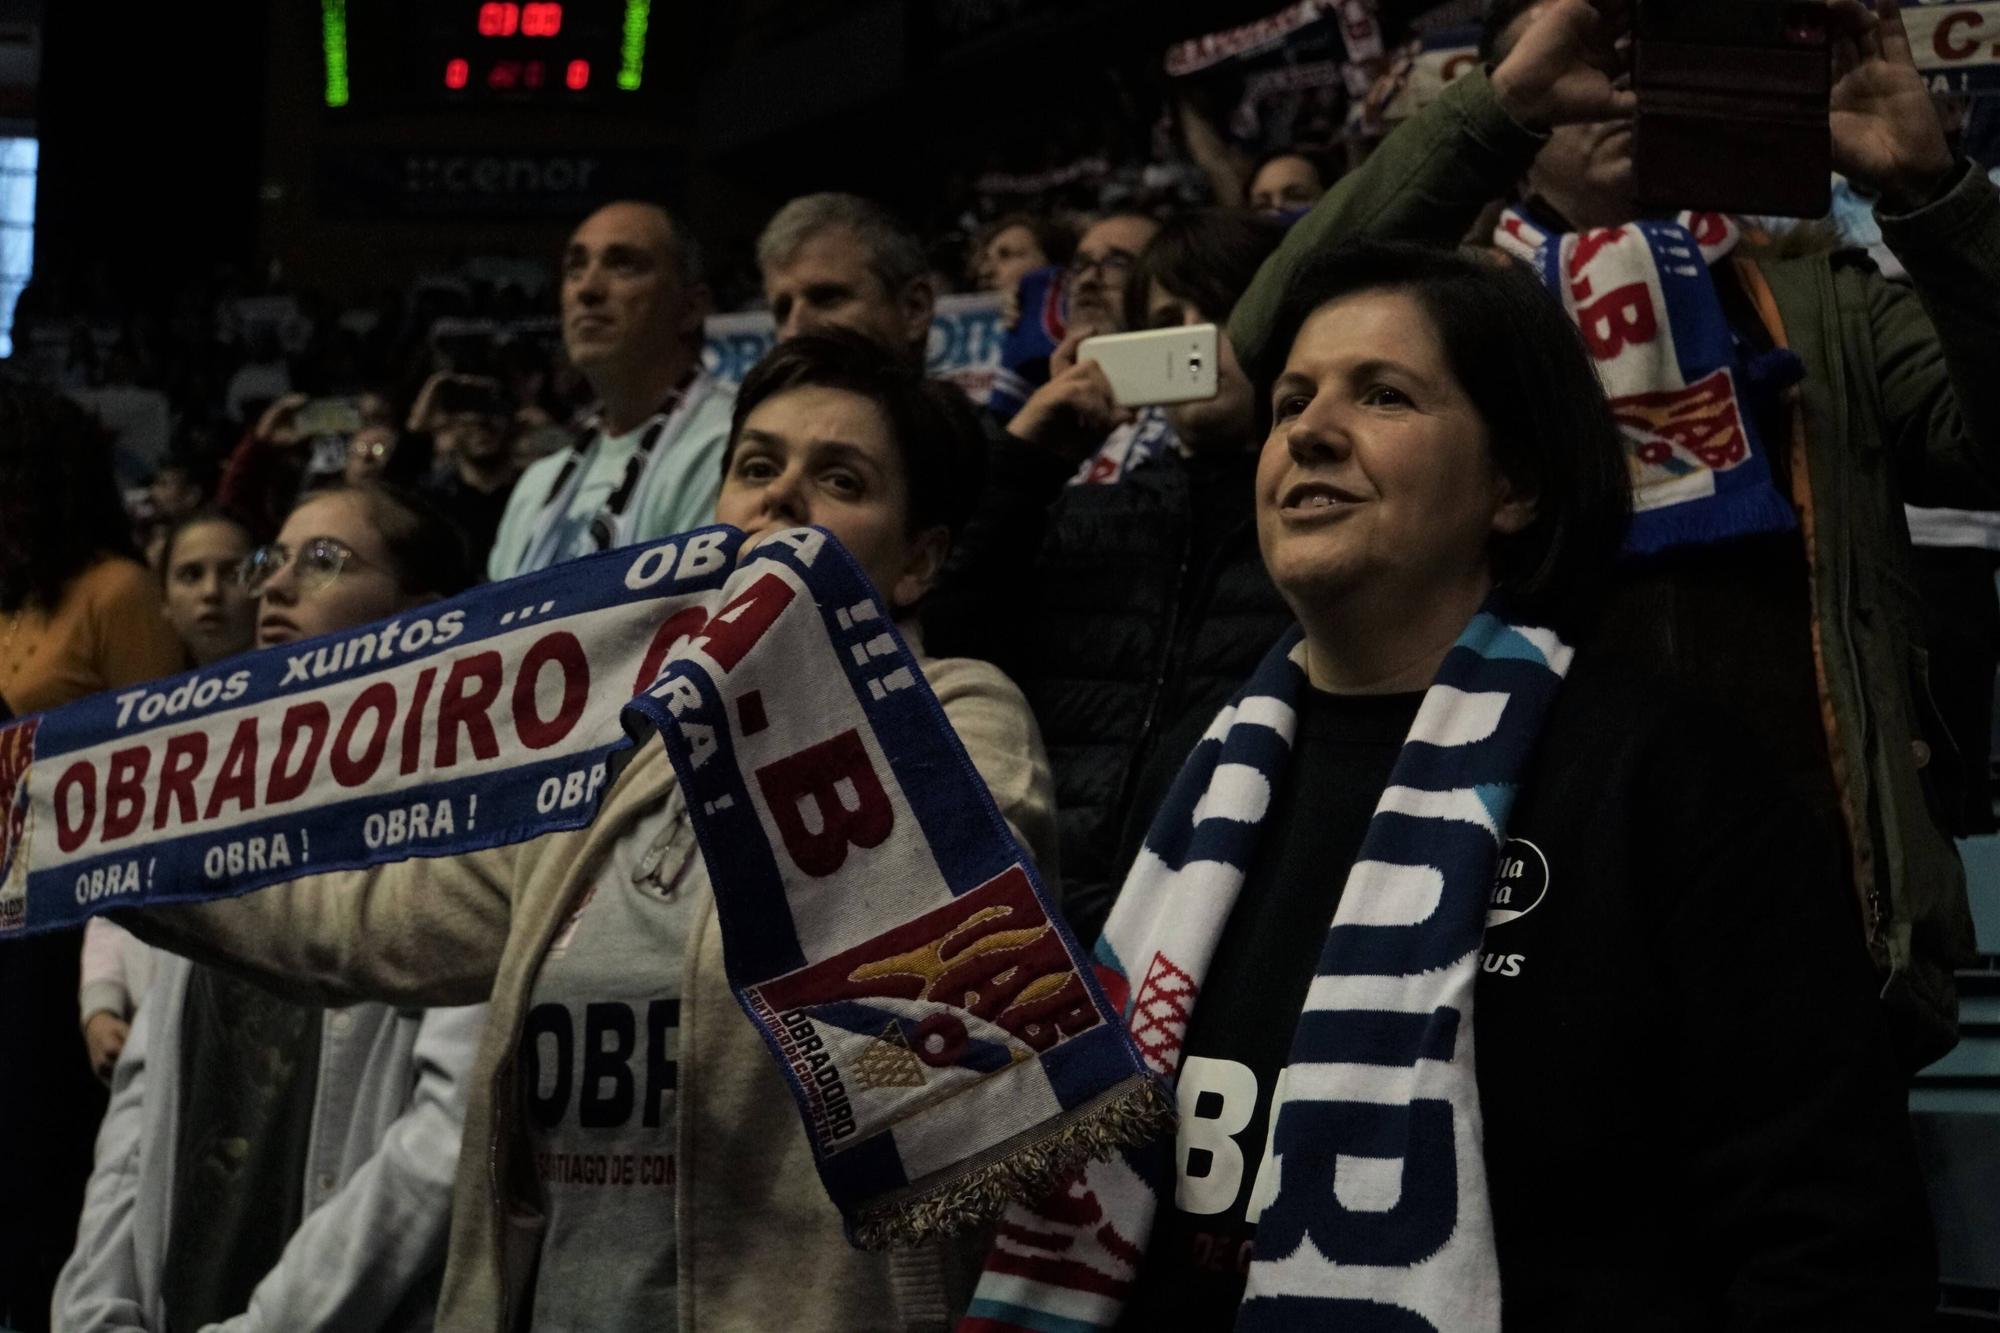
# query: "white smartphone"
1156,366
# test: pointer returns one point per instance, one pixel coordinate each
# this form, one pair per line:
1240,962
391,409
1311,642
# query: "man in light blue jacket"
649,462
380,1150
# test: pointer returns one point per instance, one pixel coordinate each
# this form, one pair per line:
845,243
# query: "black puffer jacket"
1120,610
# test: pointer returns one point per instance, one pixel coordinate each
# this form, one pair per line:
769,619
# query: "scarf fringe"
1717,518
1134,1113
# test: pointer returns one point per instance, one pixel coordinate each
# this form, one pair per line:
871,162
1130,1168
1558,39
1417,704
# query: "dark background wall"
190,135
152,119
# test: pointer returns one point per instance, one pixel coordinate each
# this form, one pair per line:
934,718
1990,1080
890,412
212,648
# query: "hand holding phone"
1072,413
1733,106
1564,65
1156,366
1886,133
329,416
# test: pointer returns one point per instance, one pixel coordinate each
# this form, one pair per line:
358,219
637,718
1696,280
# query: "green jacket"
1901,403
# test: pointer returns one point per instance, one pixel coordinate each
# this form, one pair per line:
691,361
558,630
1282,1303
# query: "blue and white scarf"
1680,382
1379,1217
947,1044
1138,443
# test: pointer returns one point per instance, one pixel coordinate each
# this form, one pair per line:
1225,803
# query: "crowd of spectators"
183,378
1411,434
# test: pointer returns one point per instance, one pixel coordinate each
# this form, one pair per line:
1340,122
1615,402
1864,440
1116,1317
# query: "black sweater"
1693,1118
1121,611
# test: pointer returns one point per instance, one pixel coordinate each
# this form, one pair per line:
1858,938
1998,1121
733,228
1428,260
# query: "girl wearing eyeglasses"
267,1165
349,555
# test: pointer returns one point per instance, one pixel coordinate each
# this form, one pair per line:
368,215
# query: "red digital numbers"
502,19
543,20
498,19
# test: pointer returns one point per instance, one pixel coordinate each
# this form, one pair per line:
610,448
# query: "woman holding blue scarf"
1684,1112
632,1158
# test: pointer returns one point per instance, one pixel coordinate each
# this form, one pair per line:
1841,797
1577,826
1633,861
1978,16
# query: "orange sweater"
107,632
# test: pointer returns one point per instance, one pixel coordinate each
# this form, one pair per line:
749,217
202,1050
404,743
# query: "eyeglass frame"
1122,262
342,556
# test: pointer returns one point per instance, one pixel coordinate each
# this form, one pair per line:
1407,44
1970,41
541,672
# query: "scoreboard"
396,55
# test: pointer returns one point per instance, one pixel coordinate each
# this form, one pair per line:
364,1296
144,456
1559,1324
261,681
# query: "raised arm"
1430,180
1227,171
983,602
998,731
425,931
1933,342
1934,345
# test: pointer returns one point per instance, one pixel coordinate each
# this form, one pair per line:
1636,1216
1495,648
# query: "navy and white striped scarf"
1380,1218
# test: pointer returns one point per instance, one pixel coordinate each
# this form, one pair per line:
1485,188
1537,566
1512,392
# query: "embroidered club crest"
966,990
1677,431
889,1063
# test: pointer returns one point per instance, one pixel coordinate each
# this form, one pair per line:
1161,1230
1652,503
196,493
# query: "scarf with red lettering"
1682,385
947,1045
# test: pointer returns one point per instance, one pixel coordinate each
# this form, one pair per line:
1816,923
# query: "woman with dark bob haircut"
1512,354
1684,1113
609,934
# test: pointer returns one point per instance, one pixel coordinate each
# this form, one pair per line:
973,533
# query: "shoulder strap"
577,452
606,524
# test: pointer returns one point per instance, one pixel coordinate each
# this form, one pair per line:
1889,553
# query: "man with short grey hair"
840,261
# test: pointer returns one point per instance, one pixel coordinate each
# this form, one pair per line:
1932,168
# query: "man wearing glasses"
1124,593
1070,416
1094,286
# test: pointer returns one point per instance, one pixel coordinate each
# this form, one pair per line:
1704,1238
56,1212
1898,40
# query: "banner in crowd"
1287,77
1956,45
945,1040
965,345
